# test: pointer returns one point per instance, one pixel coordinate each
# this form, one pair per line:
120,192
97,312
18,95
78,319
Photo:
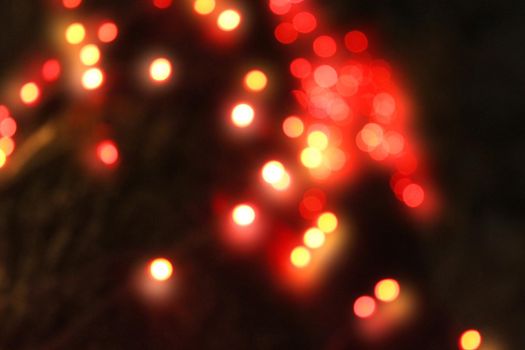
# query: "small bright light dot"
327,222
71,4
29,93
255,80
311,157
300,257
161,269
470,340
51,70
204,7
92,79
243,215
318,139
293,127
273,172
3,158
107,32
90,55
387,290
364,307
314,238
107,152
242,115
75,33
229,20
160,69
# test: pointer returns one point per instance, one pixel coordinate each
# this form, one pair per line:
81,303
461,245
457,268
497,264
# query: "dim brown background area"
69,241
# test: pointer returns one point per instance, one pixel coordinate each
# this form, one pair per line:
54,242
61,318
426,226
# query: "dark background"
69,240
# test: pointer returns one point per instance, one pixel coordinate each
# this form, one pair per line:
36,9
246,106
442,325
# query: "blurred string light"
107,152
92,78
255,80
71,4
29,93
242,115
51,70
160,69
204,7
387,290
327,222
243,215
470,340
229,20
75,33
107,32
89,55
293,127
364,307
161,269
162,4
300,257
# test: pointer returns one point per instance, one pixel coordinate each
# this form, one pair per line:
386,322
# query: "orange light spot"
107,152
314,238
51,70
364,307
356,41
162,4
229,20
304,22
92,79
29,93
161,269
387,290
107,32
384,106
71,4
325,46
160,69
75,33
318,139
90,55
8,127
4,112
280,7
204,7
311,158
273,172
3,158
283,183
325,76
300,68
7,145
285,33
300,257
470,340
327,222
255,80
413,195
293,127
243,215
242,115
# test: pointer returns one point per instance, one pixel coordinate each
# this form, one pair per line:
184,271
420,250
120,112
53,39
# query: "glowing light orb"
311,158
314,238
229,20
75,33
3,158
107,32
90,55
387,290
285,33
160,69
293,127
364,307
8,127
300,68
242,115
162,4
107,152
413,195
204,7
283,183
255,80
7,145
325,76
161,269
71,4
243,215
470,340
300,257
356,41
304,22
318,139
51,70
325,46
327,222
29,93
273,172
92,79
